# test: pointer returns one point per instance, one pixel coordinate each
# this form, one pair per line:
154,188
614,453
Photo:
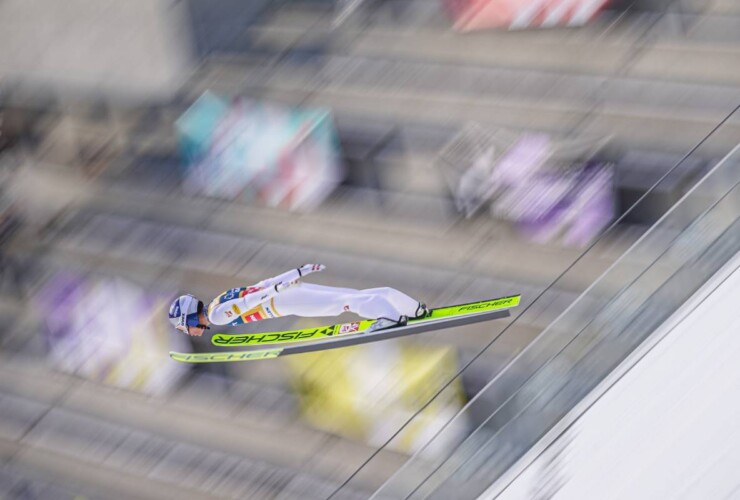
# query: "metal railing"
585,343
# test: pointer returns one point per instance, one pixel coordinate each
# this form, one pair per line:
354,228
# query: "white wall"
667,428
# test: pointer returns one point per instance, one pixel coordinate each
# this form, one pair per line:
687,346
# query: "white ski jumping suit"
283,295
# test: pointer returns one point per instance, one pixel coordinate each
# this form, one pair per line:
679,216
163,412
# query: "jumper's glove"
306,269
291,278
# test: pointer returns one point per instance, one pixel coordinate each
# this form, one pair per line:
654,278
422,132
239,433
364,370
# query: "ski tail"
471,308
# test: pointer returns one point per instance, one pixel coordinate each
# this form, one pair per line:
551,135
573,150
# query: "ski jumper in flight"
286,295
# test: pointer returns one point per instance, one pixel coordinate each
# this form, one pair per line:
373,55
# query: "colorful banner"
259,152
469,15
570,208
551,191
367,393
110,331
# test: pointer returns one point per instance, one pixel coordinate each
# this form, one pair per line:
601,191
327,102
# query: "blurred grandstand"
152,148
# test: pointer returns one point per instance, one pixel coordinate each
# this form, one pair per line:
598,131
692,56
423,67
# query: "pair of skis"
346,334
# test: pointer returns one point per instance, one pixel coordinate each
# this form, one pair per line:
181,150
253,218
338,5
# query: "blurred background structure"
582,153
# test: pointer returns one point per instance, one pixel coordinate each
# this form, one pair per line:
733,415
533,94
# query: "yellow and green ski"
346,334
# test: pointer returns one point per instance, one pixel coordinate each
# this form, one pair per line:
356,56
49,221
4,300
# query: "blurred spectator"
5,142
19,127
361,13
95,158
11,272
642,5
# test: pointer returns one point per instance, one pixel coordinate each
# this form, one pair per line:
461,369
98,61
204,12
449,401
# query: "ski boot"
385,323
422,311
